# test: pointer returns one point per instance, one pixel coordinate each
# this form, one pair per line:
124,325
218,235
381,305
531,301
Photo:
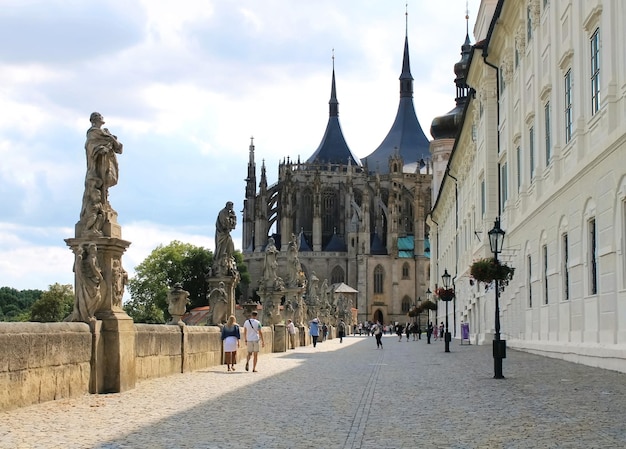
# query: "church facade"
357,221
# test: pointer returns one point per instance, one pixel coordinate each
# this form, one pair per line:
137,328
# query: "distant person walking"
230,337
342,330
429,332
314,330
378,333
291,331
252,335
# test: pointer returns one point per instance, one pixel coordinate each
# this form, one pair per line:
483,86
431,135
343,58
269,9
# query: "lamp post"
428,298
496,239
446,284
418,329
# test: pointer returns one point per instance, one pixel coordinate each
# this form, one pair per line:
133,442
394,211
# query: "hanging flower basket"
445,294
489,269
429,305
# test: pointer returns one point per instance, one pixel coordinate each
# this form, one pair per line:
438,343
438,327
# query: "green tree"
166,265
15,304
54,304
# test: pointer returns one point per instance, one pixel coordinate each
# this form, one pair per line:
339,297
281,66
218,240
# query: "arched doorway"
378,316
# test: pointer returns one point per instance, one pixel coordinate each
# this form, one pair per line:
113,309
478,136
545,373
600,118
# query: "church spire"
406,136
333,103
406,79
333,148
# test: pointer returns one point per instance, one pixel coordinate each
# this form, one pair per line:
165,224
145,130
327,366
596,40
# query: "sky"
184,85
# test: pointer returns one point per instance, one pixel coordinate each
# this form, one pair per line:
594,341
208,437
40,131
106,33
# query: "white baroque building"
541,144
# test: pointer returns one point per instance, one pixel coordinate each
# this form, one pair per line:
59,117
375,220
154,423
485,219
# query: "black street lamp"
428,299
496,239
419,319
446,284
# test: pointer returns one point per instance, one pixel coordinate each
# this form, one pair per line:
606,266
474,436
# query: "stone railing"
41,362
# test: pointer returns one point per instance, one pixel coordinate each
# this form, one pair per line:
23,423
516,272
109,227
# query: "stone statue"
218,303
313,288
177,298
223,260
101,148
120,279
271,264
295,275
88,275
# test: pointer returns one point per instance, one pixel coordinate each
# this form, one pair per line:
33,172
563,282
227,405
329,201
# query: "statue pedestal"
229,284
113,367
116,370
280,338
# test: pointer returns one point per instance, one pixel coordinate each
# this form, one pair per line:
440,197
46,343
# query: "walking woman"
230,337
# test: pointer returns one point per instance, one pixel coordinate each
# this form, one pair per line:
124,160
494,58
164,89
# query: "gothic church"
358,221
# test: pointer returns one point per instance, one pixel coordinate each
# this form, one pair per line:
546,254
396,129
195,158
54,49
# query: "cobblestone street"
346,395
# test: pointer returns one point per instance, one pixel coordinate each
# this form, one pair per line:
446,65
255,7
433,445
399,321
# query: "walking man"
342,331
291,331
251,335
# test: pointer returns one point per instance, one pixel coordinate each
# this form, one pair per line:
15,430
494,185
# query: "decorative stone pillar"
220,286
115,350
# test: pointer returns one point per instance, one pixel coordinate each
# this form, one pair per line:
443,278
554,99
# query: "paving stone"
348,395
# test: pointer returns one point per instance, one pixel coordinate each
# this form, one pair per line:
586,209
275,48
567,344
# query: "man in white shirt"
291,331
251,335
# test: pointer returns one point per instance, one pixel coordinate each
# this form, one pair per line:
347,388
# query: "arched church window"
405,271
337,275
379,277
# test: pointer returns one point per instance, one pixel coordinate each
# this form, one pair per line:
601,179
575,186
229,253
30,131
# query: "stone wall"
41,362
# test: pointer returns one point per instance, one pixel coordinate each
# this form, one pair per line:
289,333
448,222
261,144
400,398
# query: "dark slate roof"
406,135
336,244
304,246
333,148
376,246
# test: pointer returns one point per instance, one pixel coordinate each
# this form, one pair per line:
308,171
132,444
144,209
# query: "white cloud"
184,85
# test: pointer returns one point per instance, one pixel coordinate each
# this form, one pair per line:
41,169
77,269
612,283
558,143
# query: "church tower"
358,221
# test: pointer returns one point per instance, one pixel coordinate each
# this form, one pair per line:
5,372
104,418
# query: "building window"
593,257
624,242
529,24
595,72
568,106
406,304
531,151
337,275
518,152
329,214
483,197
405,271
504,184
379,277
565,266
529,283
544,250
546,116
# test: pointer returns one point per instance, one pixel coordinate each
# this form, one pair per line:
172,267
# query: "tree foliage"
15,304
54,304
165,266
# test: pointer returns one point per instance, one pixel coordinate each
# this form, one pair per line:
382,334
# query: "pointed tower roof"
333,148
405,136
447,126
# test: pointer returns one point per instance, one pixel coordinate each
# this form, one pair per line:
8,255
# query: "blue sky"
184,85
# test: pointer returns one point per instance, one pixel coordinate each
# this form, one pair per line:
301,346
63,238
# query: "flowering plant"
489,269
445,294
